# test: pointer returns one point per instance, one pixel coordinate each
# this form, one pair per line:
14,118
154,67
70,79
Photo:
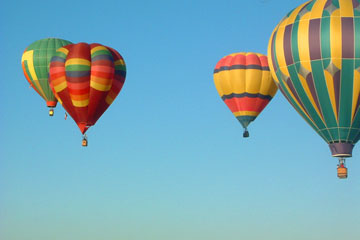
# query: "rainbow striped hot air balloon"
35,62
86,79
314,55
244,83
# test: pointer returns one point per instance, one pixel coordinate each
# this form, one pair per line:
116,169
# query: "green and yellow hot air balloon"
35,62
314,56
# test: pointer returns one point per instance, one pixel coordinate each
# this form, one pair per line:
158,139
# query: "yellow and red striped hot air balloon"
86,78
244,83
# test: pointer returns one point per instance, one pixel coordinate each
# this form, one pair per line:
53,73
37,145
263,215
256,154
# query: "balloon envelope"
86,79
35,63
314,55
244,82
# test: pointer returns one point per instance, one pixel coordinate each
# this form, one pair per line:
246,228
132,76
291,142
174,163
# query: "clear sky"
167,160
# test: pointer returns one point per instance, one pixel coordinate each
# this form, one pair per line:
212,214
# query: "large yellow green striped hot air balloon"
314,56
244,83
35,62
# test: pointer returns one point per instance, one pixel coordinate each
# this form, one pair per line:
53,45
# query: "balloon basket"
51,112
342,172
84,142
246,134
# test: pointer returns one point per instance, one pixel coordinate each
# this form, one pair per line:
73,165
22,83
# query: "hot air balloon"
244,83
86,79
314,56
35,63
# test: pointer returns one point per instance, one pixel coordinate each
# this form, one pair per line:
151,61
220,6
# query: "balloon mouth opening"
342,155
341,149
51,104
83,127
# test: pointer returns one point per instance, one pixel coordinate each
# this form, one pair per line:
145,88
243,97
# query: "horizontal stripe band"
119,62
57,59
246,113
119,72
226,68
102,57
63,50
60,87
98,48
77,61
99,86
78,73
245,94
81,103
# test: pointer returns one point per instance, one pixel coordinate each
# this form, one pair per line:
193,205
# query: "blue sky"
167,160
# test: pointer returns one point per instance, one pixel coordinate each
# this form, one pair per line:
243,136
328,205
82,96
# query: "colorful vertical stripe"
314,55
